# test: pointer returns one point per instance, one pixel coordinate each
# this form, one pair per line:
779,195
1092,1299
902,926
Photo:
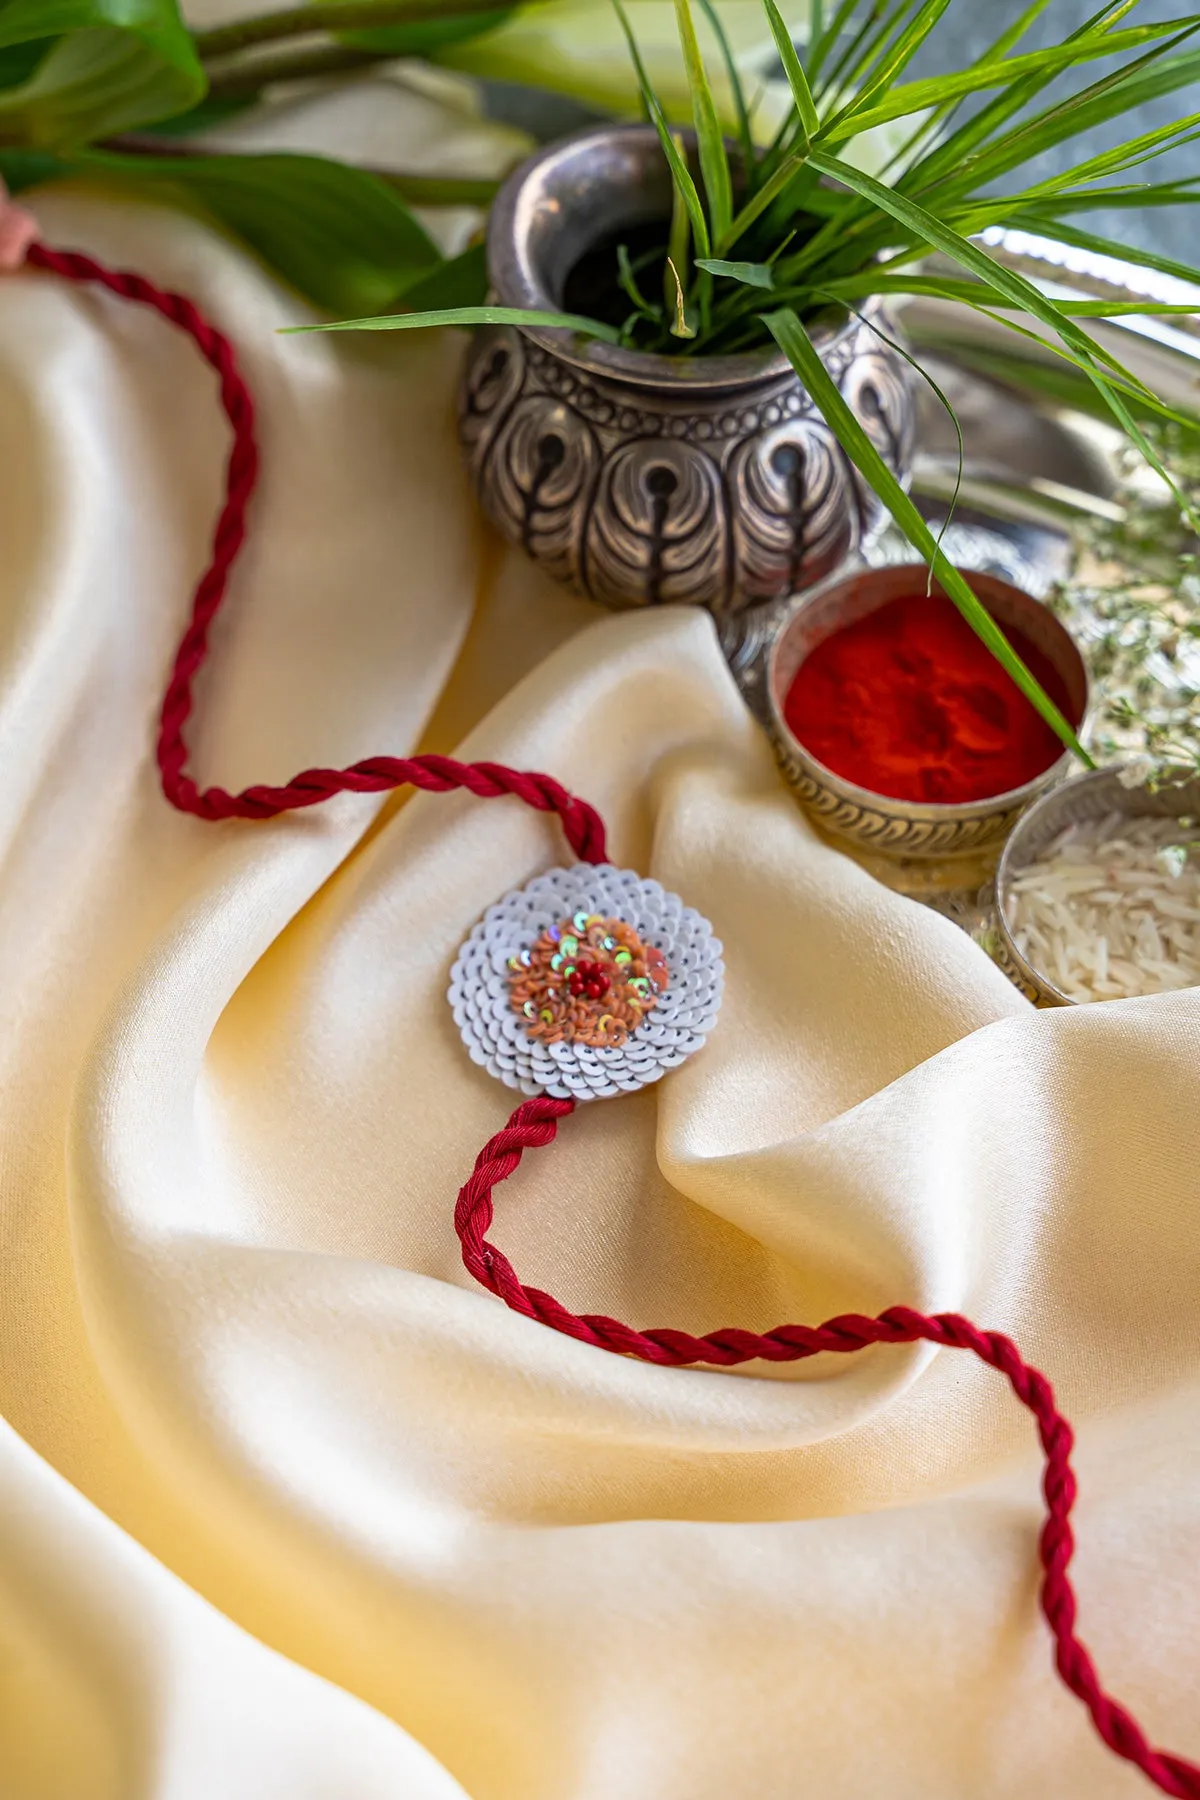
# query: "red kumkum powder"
909,703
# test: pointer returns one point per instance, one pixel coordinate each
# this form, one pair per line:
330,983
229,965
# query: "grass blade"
758,275
1141,400
879,19
1016,31
680,173
1124,156
806,107
939,394
968,159
820,44
1056,381
982,127
797,346
1021,293
1093,199
629,283
897,57
1103,246
934,127
969,293
935,90
468,315
710,140
768,193
745,130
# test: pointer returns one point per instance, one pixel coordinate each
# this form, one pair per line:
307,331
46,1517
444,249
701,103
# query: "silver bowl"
905,830
1086,797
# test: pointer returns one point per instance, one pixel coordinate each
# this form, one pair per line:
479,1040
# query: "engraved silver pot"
643,479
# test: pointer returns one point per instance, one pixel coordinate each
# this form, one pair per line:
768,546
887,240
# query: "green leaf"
788,171
1125,156
897,56
20,169
629,283
342,237
1056,380
469,316
685,187
939,394
822,41
1104,246
428,36
1016,31
214,109
969,293
578,48
865,44
797,80
460,281
19,62
934,127
710,142
936,90
1127,90
1136,397
927,228
797,346
759,275
1097,199
975,154
734,76
117,64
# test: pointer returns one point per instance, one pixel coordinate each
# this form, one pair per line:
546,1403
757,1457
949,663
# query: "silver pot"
644,479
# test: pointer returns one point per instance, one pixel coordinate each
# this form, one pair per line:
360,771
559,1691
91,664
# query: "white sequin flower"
590,982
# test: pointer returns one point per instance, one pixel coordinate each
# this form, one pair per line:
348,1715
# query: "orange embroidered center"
588,981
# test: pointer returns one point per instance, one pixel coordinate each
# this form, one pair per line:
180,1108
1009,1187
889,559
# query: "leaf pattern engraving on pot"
639,494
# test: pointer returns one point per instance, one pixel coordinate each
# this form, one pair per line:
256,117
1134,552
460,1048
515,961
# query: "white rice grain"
1112,909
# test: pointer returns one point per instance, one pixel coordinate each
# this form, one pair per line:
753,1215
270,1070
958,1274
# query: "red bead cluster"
589,981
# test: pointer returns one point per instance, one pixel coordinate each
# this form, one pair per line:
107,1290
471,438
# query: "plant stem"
418,190
304,63
332,16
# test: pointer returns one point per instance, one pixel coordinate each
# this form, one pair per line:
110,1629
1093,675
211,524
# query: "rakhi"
587,983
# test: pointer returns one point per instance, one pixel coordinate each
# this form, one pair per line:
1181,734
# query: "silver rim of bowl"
894,576
1092,795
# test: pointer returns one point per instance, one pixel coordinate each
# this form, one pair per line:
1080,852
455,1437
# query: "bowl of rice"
1098,891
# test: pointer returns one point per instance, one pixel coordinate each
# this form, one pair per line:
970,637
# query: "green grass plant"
814,233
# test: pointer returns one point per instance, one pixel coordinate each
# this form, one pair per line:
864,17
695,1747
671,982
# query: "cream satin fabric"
292,1511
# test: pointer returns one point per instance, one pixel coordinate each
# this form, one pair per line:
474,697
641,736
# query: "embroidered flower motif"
589,982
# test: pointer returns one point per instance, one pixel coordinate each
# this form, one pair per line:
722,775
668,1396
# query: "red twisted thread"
535,1124
583,826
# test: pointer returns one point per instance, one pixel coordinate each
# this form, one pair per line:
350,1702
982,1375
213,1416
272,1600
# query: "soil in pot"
593,289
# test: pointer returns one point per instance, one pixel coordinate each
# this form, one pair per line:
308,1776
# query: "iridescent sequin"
597,1000
513,1041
